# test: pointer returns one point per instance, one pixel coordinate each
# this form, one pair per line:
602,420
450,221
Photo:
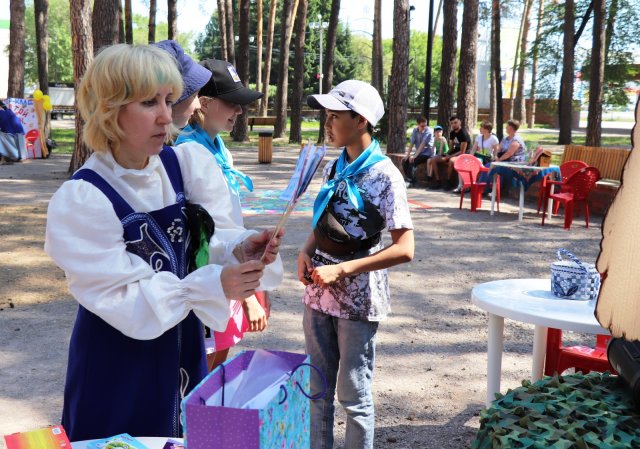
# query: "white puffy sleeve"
85,238
205,184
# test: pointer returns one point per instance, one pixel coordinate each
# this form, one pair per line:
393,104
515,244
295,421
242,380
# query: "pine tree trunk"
495,65
596,79
398,90
105,24
15,86
297,94
259,21
492,97
172,19
266,74
467,76
565,106
82,50
152,21
519,102
611,22
128,22
283,70
448,67
121,34
41,10
231,37
327,63
376,51
222,27
531,111
240,129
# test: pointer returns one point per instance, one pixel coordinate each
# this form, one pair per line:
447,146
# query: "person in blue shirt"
12,143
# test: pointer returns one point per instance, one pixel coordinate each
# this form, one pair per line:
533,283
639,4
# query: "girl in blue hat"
221,101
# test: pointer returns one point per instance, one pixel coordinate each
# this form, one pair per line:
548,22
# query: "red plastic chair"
468,168
575,191
566,170
582,358
31,137
497,180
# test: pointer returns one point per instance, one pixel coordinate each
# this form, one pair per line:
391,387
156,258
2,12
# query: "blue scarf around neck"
346,172
216,147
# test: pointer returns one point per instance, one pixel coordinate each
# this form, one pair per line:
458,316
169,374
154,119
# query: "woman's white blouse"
84,237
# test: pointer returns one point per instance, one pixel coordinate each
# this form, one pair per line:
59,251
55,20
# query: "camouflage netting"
567,412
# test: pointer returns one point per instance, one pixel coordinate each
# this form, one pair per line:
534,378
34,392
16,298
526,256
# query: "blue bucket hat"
437,127
194,76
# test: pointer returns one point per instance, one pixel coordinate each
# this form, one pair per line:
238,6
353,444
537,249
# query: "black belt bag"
332,238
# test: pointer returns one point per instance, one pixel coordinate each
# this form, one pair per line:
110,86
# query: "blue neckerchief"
216,147
346,172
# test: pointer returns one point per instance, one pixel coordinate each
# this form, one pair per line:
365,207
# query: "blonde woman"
118,231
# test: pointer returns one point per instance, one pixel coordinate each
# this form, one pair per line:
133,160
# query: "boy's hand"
256,316
327,274
305,267
240,281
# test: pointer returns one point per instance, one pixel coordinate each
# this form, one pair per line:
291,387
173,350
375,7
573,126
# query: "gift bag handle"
313,398
573,258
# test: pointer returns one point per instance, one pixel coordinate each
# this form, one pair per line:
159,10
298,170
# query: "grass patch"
65,138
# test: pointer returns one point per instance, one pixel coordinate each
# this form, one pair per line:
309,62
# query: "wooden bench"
262,121
609,161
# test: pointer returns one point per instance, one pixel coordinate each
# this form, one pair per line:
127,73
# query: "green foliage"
60,62
619,68
60,56
140,24
208,40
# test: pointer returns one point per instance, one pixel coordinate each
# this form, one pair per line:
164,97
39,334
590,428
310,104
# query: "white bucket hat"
351,95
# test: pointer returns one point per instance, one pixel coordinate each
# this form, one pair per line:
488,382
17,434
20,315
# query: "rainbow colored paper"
50,438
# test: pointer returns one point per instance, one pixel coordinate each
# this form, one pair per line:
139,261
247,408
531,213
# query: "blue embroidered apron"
116,384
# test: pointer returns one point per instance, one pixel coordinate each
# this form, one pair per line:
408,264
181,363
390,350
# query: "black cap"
226,84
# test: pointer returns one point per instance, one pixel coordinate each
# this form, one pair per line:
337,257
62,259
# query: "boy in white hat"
343,263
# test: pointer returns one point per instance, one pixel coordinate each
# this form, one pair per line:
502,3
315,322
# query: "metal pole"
426,108
321,74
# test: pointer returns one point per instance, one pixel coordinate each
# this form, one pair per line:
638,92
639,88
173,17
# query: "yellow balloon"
37,95
46,98
46,105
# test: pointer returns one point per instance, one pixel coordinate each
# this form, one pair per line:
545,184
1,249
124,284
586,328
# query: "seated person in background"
459,143
440,147
12,142
486,145
422,140
512,148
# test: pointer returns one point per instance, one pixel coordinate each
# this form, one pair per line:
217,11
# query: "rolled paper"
37,95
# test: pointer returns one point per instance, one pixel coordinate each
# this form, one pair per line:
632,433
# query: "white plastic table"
150,442
523,168
529,301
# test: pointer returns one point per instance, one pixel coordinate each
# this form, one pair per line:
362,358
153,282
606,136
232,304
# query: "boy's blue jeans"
344,351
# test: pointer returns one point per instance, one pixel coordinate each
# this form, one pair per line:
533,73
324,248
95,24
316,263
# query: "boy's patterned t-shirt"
364,296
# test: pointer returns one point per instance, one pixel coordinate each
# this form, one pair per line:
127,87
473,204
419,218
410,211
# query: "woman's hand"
328,274
240,281
256,316
305,267
260,247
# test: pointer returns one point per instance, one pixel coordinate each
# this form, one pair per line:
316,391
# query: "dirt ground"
430,371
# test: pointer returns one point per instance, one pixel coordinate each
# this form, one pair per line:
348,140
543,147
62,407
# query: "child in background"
343,263
221,101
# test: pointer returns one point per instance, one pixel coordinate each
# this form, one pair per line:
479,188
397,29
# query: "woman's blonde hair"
119,75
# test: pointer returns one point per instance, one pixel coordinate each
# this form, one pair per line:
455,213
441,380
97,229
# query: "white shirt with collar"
85,238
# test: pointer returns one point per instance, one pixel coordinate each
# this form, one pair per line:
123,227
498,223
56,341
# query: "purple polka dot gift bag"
256,400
